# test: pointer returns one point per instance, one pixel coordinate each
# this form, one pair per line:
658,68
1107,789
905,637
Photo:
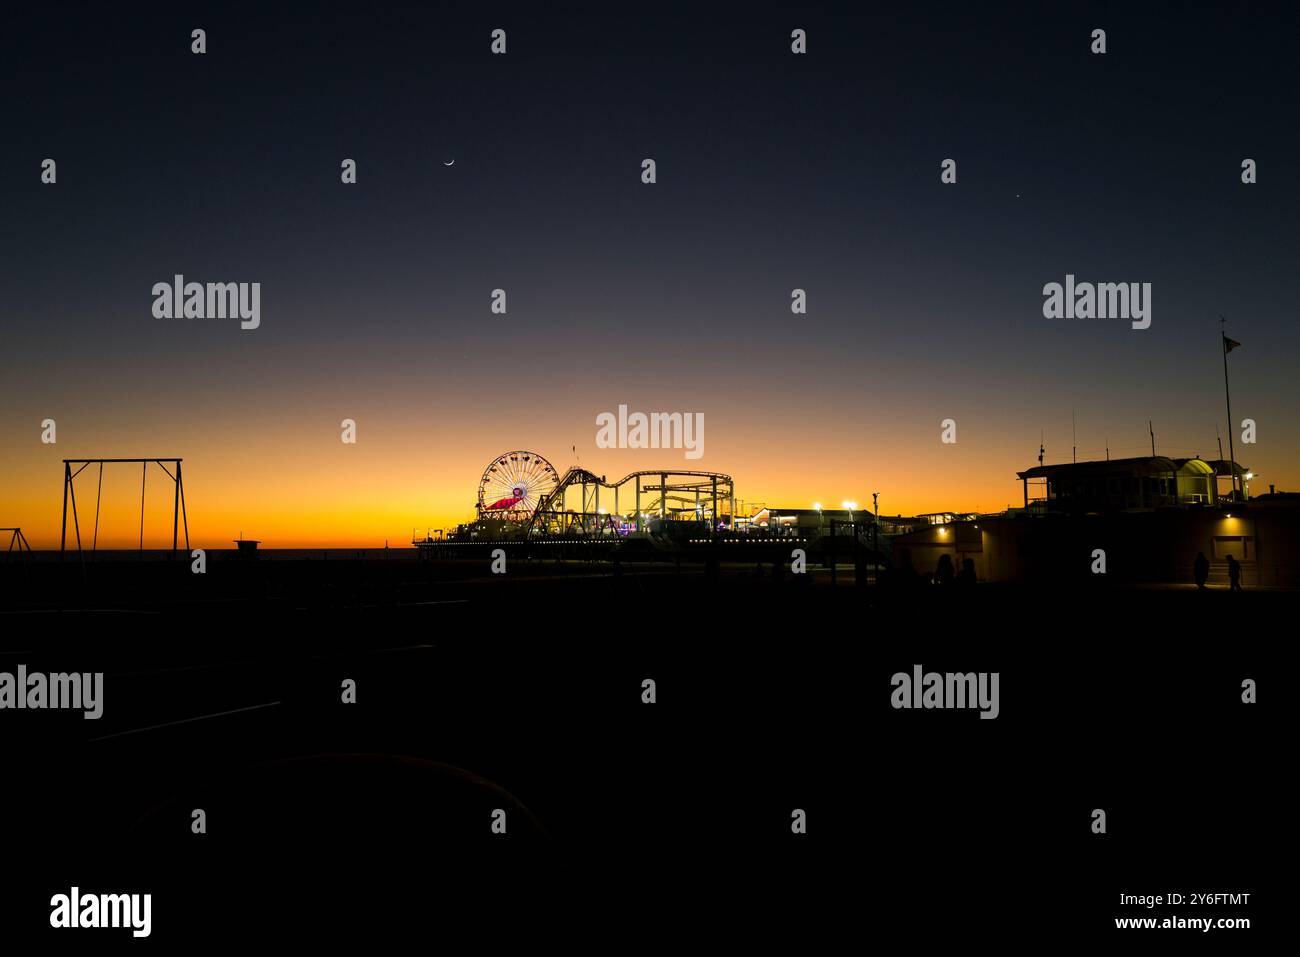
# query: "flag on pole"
1229,345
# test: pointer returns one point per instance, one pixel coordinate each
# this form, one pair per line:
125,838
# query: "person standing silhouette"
1234,574
966,577
1201,569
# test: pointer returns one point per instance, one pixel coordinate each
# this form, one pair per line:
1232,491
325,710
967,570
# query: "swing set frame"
178,509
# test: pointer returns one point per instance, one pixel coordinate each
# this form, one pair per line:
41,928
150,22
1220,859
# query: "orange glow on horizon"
275,469
327,500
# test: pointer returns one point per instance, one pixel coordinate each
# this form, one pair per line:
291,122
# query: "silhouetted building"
1151,545
928,543
804,522
812,523
1224,472
945,518
1120,485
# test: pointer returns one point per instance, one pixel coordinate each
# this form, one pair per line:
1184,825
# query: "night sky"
775,171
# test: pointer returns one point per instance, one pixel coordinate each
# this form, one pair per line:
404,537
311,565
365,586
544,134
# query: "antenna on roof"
1108,448
1153,438
1040,448
1074,437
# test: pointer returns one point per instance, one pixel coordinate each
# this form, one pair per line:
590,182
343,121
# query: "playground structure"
16,540
69,491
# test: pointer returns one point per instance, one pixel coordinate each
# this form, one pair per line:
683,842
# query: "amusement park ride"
522,496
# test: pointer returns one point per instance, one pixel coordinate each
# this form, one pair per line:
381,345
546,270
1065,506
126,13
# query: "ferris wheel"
513,484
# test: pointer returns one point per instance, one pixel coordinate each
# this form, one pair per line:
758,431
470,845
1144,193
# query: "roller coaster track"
715,487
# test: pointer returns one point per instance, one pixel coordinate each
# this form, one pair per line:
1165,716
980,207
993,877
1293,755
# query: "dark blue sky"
775,171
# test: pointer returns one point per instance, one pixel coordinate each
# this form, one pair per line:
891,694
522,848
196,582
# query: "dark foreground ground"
668,821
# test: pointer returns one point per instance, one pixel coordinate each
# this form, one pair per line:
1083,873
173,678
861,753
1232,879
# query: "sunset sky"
775,171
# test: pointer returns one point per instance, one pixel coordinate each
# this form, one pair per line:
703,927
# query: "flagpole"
1227,395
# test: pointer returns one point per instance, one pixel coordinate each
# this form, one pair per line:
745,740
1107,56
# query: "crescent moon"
452,163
